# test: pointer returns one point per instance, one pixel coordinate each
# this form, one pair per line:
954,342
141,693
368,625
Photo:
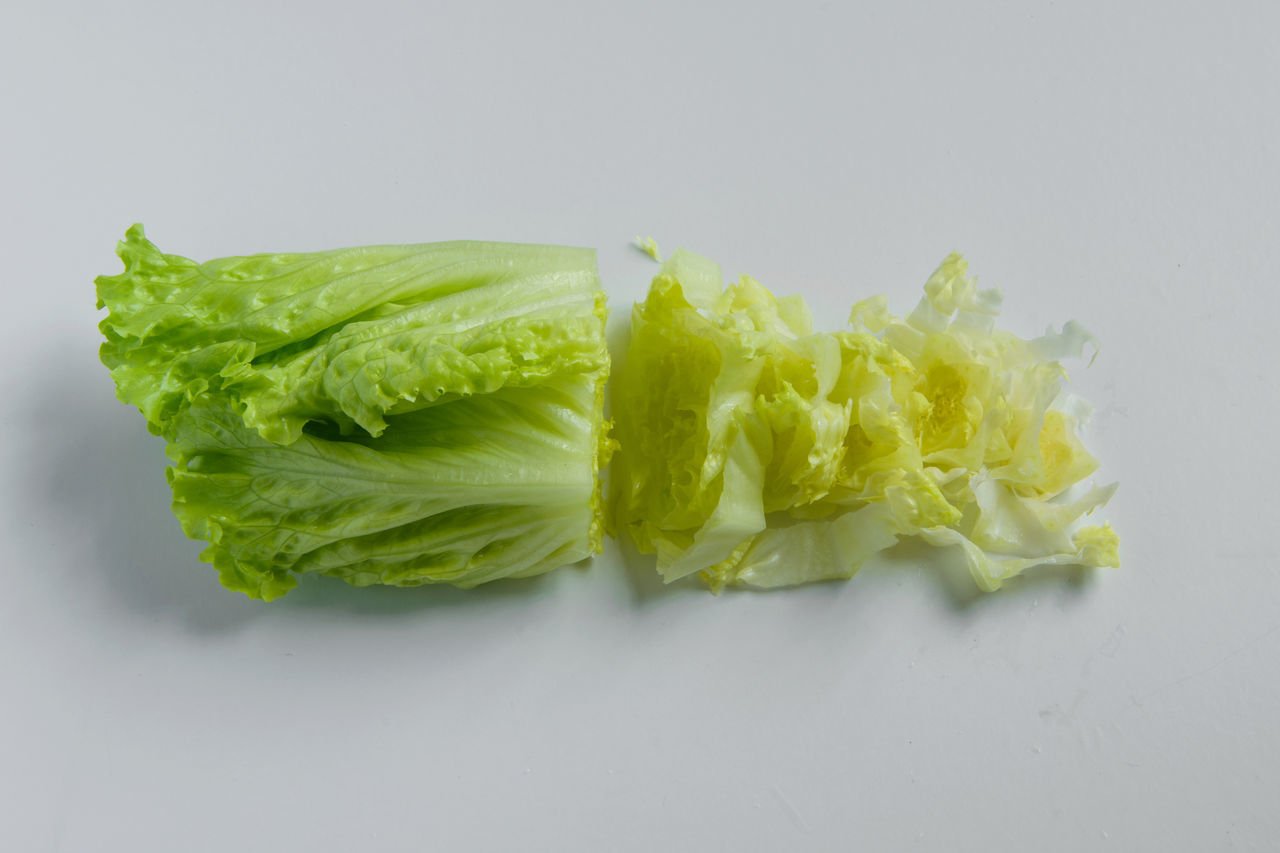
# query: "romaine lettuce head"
759,452
385,414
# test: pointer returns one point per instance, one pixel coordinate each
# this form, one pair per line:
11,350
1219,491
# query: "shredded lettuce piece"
761,453
649,246
385,414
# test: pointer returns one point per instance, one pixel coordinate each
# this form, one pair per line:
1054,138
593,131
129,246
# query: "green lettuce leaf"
387,414
761,453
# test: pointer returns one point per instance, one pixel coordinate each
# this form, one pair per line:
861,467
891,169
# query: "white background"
1112,162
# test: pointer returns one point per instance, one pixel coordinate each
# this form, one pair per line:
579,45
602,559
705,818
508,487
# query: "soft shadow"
96,470
644,581
948,569
92,466
318,593
910,559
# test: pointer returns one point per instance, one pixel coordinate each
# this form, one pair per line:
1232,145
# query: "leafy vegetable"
649,246
385,414
759,452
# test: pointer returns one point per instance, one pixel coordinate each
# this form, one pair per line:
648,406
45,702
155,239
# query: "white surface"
1116,163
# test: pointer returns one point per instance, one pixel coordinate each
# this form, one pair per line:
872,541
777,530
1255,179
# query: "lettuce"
761,453
386,414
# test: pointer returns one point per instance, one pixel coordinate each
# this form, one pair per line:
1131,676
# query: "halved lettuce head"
384,414
759,452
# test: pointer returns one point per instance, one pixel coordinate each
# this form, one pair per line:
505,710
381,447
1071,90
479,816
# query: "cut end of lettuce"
757,452
386,414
